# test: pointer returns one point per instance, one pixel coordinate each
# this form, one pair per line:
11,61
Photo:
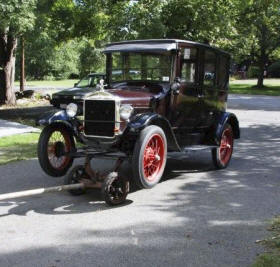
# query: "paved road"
195,217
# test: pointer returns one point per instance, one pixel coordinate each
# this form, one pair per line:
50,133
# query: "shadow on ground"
196,216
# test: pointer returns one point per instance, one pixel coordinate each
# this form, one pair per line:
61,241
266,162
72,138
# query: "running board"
197,147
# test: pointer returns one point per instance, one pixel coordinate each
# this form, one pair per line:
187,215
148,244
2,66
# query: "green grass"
272,257
271,87
18,147
60,83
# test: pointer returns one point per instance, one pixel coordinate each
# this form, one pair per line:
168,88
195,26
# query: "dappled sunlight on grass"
18,147
60,83
271,87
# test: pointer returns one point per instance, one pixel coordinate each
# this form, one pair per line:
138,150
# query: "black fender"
221,120
56,116
60,118
141,121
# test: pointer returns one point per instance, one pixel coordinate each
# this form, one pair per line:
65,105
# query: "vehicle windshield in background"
140,67
89,81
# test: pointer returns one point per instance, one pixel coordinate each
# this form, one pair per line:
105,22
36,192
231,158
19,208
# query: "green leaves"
17,16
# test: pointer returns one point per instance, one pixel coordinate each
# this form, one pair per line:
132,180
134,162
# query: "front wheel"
221,155
54,144
74,177
115,189
149,157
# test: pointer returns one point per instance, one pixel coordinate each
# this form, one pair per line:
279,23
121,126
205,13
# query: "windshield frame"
89,77
168,68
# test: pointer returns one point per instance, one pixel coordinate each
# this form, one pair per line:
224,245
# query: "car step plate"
197,147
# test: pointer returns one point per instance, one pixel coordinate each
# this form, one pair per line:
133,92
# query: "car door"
209,90
186,106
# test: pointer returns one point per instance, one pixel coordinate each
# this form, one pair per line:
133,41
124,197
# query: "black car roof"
156,45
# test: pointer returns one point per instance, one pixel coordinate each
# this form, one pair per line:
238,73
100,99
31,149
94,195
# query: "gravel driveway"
196,216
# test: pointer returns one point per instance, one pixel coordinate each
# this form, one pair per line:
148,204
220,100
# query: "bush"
274,70
253,72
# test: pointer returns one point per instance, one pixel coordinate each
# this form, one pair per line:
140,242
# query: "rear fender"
142,121
226,117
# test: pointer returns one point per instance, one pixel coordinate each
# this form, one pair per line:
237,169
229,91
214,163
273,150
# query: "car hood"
135,97
76,91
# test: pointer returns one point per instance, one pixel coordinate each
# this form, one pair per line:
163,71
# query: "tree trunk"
22,66
8,44
260,76
262,61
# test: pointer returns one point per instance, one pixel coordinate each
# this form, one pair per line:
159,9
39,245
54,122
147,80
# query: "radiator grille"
99,117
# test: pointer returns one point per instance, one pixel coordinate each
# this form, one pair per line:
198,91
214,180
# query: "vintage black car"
160,96
84,88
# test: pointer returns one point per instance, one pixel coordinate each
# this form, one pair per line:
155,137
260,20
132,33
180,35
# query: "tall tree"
16,16
208,21
135,20
258,25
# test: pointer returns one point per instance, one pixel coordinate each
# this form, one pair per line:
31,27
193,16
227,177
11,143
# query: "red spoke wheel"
221,156
115,189
149,157
54,144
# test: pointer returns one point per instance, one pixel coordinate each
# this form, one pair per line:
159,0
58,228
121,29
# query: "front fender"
57,116
143,120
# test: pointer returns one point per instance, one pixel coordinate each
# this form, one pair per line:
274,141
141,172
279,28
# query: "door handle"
200,96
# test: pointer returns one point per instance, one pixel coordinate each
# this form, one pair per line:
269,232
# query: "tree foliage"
258,24
16,17
65,37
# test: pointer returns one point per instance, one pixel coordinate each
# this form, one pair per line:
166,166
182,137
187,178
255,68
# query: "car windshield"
140,66
89,81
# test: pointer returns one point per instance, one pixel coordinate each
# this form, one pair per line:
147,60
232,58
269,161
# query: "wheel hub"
150,156
59,149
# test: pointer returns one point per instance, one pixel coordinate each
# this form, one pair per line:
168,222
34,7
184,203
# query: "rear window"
209,68
223,72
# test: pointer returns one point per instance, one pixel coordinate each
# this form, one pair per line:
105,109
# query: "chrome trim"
105,96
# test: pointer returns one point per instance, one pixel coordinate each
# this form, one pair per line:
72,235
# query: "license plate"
63,106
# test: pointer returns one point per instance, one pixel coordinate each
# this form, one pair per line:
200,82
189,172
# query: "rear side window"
188,64
209,68
223,72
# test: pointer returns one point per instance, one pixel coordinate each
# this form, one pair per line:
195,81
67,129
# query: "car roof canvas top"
153,45
141,47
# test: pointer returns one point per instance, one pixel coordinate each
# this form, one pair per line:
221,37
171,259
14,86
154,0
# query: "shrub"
274,70
253,72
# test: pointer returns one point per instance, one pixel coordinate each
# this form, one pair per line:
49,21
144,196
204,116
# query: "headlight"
71,109
126,111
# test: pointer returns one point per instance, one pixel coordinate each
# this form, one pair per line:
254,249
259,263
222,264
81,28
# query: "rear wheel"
221,156
149,157
54,144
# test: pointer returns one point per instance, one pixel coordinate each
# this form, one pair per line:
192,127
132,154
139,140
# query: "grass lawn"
272,257
18,147
59,83
271,87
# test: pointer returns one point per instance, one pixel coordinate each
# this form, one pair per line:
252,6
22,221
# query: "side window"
188,72
188,67
223,72
209,68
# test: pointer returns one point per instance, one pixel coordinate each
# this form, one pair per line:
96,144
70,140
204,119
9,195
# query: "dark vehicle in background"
161,96
84,88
